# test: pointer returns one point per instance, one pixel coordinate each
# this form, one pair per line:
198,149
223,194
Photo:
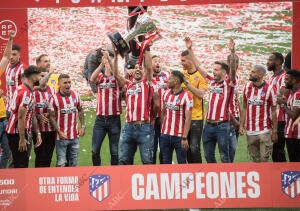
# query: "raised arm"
232,60
148,65
95,74
189,45
121,80
45,79
6,55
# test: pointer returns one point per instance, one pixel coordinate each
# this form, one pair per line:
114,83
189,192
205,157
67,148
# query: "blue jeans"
167,145
64,148
134,135
213,134
103,126
6,154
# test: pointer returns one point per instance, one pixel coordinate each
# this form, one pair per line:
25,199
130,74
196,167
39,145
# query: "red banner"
152,187
95,3
16,20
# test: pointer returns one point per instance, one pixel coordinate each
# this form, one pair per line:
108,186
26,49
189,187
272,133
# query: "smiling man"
142,104
221,88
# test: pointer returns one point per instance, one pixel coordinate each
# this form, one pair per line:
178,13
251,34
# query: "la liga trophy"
143,26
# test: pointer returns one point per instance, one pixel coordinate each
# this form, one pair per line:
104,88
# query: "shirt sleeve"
244,95
272,97
26,99
296,102
51,104
189,102
209,77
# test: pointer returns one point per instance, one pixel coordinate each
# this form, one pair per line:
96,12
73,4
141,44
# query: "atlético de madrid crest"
290,183
99,185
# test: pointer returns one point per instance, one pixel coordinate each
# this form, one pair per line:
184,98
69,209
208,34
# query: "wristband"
184,138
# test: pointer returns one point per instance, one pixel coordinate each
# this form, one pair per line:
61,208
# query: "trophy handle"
118,41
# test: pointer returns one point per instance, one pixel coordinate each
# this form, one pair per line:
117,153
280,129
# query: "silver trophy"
143,26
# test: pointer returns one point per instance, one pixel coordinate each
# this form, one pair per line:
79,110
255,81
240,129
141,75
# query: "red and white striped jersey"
66,112
259,101
175,106
13,76
292,103
277,81
138,100
220,95
42,98
109,96
23,97
161,86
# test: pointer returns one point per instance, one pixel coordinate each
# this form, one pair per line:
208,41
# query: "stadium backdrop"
140,187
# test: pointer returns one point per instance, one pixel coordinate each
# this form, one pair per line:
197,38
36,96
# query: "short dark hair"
31,70
295,73
185,53
39,58
16,47
288,61
278,56
62,76
155,56
178,75
223,65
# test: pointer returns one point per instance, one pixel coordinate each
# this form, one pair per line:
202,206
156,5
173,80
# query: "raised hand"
188,42
231,45
12,34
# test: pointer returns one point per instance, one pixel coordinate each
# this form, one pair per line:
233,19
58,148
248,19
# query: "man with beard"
161,79
43,153
108,111
92,61
261,126
291,107
43,61
13,74
274,64
64,109
141,109
22,119
217,126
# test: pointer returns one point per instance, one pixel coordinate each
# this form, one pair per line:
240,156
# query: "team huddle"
164,110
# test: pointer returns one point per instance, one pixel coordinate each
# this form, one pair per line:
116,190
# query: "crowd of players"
164,110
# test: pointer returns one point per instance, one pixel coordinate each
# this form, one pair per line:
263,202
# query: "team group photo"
150,88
